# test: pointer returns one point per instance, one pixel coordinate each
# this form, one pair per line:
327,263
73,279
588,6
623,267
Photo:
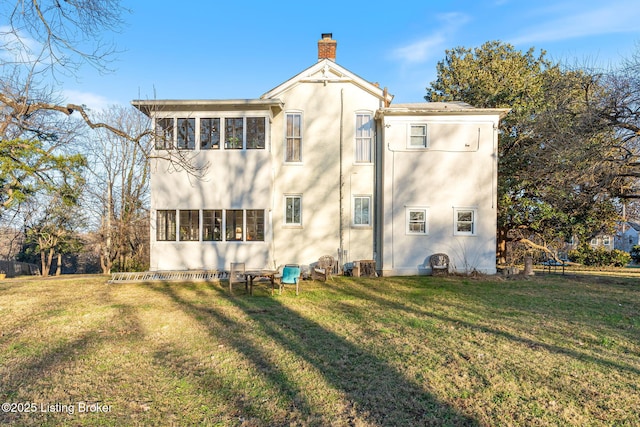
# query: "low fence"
15,268
170,276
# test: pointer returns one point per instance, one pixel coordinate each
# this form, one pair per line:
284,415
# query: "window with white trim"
362,210
418,136
364,138
417,221
293,138
464,221
293,210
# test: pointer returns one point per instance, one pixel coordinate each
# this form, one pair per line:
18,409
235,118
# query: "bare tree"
120,189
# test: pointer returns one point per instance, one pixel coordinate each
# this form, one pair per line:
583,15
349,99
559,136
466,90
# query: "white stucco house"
324,163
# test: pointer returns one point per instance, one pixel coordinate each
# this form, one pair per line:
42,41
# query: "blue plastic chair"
290,275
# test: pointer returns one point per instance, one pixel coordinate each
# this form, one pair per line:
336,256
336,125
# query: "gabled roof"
327,71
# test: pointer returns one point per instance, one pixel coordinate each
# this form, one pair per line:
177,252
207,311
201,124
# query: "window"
606,240
165,225
255,225
464,222
234,225
293,152
418,137
233,133
189,225
164,133
186,134
212,225
255,132
361,210
293,210
364,138
417,221
209,134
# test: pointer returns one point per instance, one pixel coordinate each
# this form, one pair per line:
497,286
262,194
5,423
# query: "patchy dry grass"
554,350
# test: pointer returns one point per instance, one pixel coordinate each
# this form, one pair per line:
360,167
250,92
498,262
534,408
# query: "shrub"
635,253
600,257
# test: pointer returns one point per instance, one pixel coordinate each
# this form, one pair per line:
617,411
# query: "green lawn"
552,350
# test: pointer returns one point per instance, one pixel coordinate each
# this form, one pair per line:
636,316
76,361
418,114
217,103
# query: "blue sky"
207,49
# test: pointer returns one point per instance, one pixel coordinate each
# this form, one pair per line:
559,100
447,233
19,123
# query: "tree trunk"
59,266
502,246
43,263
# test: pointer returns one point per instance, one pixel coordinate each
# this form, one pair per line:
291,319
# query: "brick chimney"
327,47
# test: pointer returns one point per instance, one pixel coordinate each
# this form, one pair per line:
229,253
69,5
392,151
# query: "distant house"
324,163
627,236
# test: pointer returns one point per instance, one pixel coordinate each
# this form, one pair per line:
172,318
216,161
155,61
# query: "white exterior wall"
457,170
234,179
329,116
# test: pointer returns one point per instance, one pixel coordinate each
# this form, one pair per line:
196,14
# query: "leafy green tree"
556,170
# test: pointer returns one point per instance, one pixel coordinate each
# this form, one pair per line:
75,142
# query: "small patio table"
268,274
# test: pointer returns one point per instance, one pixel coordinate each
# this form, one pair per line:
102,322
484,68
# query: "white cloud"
93,101
613,17
17,47
425,48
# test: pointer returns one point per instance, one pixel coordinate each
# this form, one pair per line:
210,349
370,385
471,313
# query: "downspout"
341,182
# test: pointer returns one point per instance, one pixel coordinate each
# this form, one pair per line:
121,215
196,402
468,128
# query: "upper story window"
186,133
256,132
209,133
364,138
205,133
233,138
418,136
464,222
293,136
164,133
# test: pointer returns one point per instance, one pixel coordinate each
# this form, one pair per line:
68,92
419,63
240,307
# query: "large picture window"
362,210
364,138
293,149
165,225
217,225
189,225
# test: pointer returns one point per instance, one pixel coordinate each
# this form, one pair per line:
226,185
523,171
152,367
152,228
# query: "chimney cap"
327,35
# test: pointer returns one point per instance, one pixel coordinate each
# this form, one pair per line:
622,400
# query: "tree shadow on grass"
375,392
379,296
